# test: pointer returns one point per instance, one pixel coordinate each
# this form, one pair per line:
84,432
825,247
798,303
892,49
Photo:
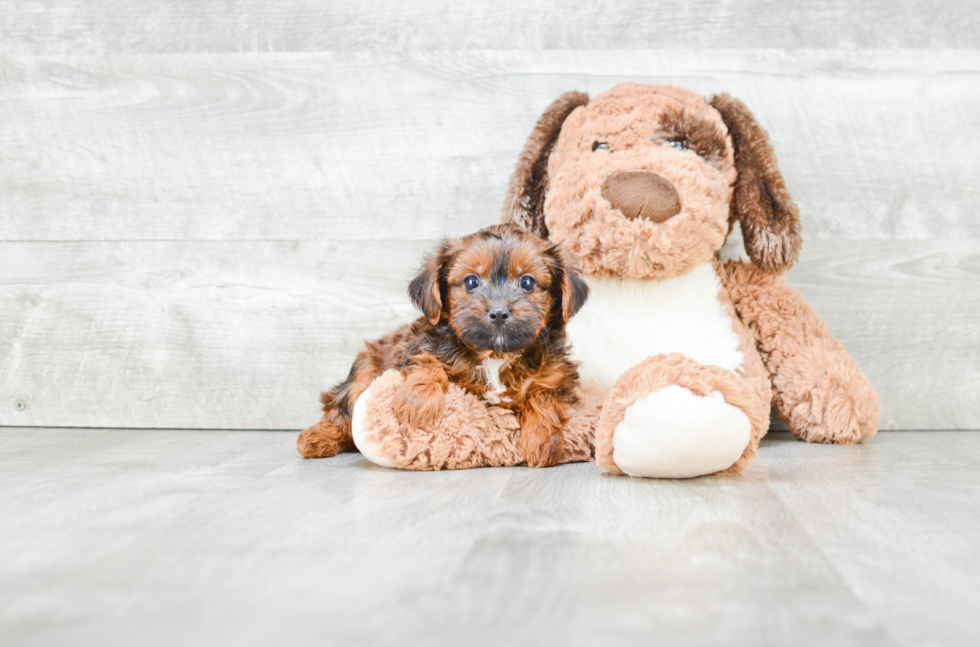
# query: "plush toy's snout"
642,194
724,144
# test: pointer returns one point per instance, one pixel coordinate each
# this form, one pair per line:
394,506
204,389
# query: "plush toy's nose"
642,194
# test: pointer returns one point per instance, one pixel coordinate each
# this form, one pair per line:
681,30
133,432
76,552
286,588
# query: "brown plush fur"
627,129
515,275
659,371
719,161
749,389
819,389
721,167
770,219
725,171
525,195
471,432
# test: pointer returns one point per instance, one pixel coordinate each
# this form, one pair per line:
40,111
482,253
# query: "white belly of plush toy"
626,321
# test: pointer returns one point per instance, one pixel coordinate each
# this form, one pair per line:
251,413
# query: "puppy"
495,305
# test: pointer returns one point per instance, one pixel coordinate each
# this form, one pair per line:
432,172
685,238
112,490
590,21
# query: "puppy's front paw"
419,403
322,440
541,445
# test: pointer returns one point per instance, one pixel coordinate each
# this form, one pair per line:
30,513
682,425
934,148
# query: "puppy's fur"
495,304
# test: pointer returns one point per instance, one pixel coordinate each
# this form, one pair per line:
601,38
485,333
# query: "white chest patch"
491,375
627,320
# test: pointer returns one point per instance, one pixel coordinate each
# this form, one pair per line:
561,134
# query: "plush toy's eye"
678,144
600,146
527,283
471,282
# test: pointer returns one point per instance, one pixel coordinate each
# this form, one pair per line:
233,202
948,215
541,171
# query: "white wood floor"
137,537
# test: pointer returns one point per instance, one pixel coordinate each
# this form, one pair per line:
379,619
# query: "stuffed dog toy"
681,355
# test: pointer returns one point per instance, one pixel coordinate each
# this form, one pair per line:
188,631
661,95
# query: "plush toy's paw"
673,433
322,440
371,448
835,409
469,433
466,434
670,417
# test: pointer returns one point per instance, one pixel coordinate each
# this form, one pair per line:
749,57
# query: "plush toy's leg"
818,388
469,433
670,417
372,448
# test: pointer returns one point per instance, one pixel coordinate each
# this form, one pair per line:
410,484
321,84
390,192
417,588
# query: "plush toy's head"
646,181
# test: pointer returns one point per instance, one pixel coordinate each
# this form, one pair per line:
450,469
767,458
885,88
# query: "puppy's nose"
642,194
499,315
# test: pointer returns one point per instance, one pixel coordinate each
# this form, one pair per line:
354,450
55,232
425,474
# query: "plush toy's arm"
818,388
468,432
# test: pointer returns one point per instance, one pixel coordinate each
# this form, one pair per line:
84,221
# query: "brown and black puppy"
495,305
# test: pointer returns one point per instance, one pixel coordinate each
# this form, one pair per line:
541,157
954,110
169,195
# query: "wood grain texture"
119,537
244,335
874,144
872,496
909,313
206,207
129,26
202,335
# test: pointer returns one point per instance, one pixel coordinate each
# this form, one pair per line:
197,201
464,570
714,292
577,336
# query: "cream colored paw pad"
673,433
370,449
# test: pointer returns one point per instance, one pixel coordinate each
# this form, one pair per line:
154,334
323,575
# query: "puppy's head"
646,181
499,288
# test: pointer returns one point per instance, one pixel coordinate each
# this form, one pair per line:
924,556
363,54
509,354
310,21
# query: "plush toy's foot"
372,448
673,433
670,417
469,433
840,409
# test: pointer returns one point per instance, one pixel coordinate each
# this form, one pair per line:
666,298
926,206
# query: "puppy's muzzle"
642,194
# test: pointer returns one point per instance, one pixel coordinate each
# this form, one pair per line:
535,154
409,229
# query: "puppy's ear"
524,203
426,289
572,290
770,219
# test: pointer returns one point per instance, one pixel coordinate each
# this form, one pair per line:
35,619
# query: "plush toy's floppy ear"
524,203
770,219
569,287
426,288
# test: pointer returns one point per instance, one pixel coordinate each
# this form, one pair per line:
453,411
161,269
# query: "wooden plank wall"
206,207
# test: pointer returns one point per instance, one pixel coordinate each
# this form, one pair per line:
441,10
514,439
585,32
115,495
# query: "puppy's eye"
678,144
527,283
600,146
471,282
